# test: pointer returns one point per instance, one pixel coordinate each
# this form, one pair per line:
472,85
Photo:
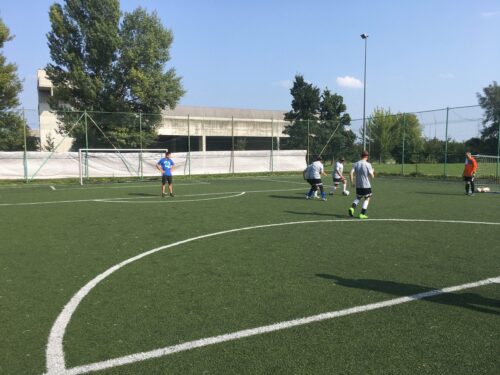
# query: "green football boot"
363,216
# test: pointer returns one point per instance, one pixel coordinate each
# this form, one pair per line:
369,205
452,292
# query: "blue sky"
422,54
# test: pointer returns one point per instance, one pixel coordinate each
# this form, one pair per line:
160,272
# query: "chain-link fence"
419,143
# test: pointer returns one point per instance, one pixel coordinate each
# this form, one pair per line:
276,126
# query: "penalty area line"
143,356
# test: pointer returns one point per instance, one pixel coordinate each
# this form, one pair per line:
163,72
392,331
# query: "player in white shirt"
363,171
338,177
313,174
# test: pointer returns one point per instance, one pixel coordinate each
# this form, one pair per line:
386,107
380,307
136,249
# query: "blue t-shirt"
166,164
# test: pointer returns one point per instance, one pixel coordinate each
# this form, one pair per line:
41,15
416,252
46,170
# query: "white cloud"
285,84
349,82
490,14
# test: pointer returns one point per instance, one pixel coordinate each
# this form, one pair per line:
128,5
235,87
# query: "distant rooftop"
214,112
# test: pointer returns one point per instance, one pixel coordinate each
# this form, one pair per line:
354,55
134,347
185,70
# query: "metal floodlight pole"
365,37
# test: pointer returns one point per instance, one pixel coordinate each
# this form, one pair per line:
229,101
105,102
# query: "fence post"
25,160
498,150
86,146
446,145
232,144
403,151
308,158
140,144
272,145
189,148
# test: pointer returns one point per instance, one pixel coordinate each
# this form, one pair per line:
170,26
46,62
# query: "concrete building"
187,127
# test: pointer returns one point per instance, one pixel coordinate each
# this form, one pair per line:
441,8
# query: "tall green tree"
314,118
304,114
12,125
103,61
383,134
391,135
333,121
490,102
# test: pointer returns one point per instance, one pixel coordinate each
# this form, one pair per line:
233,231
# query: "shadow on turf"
433,193
144,194
317,214
296,196
470,301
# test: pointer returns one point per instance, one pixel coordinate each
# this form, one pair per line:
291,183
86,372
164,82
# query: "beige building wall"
182,121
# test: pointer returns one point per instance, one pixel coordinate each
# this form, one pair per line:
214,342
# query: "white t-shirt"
362,169
314,170
338,170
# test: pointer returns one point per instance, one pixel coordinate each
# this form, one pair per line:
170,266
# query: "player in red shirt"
469,173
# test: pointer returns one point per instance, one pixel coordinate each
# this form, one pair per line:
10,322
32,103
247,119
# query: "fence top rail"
123,149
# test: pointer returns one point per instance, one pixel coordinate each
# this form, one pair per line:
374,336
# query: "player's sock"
364,207
355,203
467,188
472,190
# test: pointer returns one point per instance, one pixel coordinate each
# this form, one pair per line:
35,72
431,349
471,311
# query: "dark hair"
167,152
364,153
319,158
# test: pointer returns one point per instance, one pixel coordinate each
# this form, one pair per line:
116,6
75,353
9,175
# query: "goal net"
133,163
488,172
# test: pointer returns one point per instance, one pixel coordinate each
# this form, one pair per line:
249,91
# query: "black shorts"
363,192
469,178
165,179
314,181
336,181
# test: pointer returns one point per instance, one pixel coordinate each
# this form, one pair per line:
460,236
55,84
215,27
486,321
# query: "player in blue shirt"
166,166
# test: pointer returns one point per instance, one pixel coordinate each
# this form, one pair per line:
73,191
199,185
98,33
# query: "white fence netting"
43,165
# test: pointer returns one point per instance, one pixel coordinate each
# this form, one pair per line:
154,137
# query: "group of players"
359,176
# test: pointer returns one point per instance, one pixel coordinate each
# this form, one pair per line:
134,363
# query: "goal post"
105,162
488,172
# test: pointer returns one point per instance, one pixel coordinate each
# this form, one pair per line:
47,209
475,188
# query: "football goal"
123,163
488,172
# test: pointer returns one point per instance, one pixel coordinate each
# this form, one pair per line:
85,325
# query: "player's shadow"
466,300
143,194
317,214
433,193
296,196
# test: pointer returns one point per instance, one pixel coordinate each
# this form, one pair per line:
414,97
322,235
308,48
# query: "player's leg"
364,208
344,186
467,185
472,186
170,187
311,191
163,181
334,186
355,203
321,189
367,194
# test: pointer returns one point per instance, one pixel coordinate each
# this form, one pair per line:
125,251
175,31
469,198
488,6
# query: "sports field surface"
246,276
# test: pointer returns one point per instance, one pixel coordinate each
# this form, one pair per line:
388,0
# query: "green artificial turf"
251,278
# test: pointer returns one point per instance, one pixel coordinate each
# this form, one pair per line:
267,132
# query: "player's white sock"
355,203
365,205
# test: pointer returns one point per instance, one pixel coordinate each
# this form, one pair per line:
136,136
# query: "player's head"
468,154
167,153
364,154
319,158
341,159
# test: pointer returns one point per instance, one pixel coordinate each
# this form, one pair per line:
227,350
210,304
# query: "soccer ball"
346,193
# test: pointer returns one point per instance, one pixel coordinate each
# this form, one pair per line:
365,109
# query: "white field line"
144,185
171,200
143,356
52,187
55,353
124,198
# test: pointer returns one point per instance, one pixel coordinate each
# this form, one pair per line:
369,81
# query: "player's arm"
158,166
351,177
339,174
